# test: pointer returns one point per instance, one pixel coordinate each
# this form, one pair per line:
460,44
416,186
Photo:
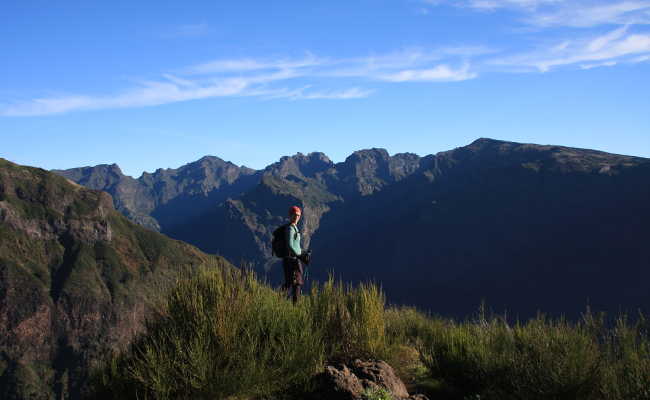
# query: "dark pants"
292,277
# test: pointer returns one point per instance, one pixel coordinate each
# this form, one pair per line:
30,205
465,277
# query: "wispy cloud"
441,73
563,13
495,4
303,93
149,93
581,22
583,15
604,50
304,78
603,64
251,64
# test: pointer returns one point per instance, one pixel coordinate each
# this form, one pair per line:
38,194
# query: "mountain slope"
522,226
76,280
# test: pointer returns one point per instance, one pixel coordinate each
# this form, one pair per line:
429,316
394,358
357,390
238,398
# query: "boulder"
349,382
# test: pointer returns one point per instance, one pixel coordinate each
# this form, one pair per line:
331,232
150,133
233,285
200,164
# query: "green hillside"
76,281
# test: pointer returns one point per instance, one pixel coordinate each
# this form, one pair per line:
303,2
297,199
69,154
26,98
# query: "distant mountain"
160,200
521,226
76,278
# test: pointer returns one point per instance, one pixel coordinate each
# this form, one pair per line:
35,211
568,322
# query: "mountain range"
521,227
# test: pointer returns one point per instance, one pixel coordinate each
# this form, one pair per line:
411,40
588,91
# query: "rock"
338,383
380,373
348,382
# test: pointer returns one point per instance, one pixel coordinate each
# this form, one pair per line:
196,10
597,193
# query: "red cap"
295,210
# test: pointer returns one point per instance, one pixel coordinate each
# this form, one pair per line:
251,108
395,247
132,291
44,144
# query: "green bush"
540,359
627,355
350,320
223,334
376,394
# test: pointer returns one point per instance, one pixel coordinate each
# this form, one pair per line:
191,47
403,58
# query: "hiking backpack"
279,245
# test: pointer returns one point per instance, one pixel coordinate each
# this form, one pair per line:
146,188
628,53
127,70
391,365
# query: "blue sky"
151,84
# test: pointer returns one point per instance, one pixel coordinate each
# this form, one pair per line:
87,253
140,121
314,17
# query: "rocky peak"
210,160
365,162
97,177
366,171
300,165
368,155
402,165
210,164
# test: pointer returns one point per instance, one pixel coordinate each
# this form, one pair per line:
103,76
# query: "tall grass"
349,320
222,334
540,359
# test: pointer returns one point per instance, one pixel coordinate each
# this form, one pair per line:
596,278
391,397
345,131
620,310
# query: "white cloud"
563,13
603,64
304,93
612,47
601,42
260,78
249,64
352,93
148,94
582,15
440,73
494,4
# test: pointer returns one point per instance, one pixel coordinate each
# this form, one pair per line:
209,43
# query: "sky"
150,84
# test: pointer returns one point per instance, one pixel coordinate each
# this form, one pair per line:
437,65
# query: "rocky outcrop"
354,381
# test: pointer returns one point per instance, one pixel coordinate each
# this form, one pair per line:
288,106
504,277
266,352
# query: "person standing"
293,269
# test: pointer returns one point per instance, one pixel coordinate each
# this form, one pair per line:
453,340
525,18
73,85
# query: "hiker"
291,262
286,245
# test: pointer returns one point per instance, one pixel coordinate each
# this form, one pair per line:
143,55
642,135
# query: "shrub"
220,333
540,359
376,394
627,355
350,320
223,334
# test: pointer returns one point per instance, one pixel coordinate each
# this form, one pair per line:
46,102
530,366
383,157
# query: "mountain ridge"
490,204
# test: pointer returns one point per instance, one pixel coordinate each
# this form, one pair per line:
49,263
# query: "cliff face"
76,280
522,226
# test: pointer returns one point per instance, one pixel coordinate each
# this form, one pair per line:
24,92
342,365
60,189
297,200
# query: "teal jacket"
293,239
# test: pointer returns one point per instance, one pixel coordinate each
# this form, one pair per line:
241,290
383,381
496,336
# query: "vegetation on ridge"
222,334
